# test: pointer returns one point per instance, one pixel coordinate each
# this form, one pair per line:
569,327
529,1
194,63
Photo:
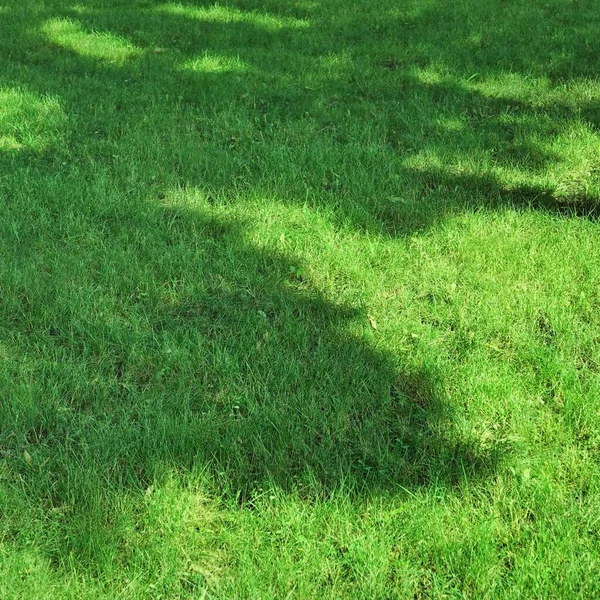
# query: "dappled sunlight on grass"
29,121
213,63
17,567
520,130
71,35
537,93
9,142
294,301
227,14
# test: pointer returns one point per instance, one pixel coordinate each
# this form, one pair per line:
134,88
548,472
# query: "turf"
299,299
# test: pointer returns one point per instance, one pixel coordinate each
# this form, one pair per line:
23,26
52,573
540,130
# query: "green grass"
299,299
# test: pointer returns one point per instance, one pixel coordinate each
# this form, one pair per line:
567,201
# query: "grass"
299,299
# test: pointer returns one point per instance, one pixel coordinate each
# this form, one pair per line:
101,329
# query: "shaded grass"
299,300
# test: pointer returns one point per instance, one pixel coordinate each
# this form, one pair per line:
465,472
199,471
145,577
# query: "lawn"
299,299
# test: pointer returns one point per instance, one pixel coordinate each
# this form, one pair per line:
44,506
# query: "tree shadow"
290,83
382,430
246,369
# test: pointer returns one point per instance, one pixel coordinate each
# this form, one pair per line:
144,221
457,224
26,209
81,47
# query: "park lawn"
299,299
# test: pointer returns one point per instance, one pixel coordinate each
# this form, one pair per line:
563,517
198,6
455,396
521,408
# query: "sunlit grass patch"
33,575
227,14
71,35
211,63
29,121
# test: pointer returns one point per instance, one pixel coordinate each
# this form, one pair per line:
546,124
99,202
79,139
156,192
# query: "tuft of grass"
299,299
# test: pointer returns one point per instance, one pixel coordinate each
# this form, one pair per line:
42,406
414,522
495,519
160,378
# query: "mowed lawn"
299,299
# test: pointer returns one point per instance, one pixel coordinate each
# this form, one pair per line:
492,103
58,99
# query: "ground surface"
299,299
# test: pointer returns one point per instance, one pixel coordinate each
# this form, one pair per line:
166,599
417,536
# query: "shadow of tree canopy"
224,105
125,399
274,82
